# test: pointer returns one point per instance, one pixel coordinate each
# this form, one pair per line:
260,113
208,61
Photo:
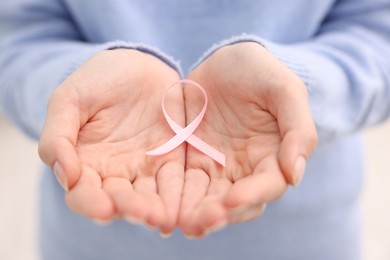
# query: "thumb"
298,131
59,136
295,149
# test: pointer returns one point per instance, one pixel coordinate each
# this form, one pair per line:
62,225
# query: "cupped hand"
258,116
100,122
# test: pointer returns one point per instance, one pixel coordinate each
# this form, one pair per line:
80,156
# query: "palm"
249,136
259,117
112,146
109,113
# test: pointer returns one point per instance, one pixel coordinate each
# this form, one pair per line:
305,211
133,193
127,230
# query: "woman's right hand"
100,122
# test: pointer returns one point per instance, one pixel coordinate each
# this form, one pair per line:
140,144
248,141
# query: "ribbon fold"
186,134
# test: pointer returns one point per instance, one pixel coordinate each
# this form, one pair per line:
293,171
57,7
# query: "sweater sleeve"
40,46
345,66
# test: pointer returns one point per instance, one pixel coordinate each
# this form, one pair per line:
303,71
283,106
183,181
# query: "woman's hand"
258,116
100,122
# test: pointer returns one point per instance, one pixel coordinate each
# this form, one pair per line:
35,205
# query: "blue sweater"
340,49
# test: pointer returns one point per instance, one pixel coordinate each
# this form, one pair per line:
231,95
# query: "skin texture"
107,114
258,115
100,123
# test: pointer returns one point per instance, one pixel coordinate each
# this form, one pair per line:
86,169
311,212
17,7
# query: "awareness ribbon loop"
186,134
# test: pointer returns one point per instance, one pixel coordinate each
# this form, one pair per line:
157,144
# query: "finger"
146,187
170,180
299,135
87,197
59,136
246,214
266,184
195,188
219,186
129,204
113,186
209,215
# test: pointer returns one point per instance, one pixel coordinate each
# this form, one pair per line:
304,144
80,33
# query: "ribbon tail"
207,149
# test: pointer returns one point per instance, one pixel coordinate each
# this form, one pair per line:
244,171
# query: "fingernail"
149,227
239,210
299,170
217,227
165,235
101,222
134,220
192,237
60,175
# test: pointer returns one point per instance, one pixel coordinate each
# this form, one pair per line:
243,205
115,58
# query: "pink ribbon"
186,134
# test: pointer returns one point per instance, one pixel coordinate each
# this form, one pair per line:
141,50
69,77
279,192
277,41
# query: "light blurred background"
20,173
